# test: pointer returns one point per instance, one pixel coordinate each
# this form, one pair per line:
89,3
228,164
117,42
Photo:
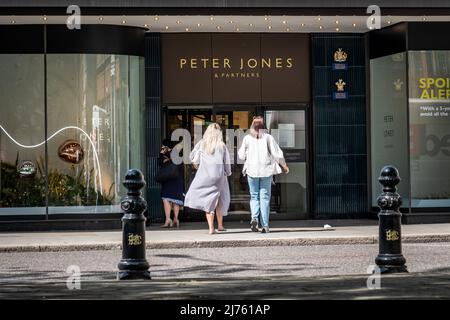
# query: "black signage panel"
227,68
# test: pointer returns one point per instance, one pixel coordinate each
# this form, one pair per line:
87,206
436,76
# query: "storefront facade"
70,114
80,107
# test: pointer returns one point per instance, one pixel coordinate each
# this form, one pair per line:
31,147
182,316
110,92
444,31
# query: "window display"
89,103
429,120
389,121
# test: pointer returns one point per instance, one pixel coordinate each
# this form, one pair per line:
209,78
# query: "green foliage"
63,189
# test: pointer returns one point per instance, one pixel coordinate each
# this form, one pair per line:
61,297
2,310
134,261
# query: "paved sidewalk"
409,286
195,234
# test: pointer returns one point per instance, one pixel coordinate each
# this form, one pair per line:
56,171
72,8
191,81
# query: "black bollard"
390,258
133,265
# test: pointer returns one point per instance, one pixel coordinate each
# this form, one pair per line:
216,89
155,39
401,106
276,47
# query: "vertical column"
339,124
153,124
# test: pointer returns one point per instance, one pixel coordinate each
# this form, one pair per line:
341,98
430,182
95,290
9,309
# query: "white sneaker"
265,230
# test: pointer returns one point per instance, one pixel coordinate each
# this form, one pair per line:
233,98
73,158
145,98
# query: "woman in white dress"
209,191
262,157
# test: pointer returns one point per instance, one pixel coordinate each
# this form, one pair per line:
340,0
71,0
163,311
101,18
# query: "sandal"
168,224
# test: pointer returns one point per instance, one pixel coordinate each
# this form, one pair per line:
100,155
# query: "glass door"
288,127
234,124
289,195
195,121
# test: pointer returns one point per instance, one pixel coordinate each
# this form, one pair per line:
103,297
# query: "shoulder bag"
276,168
167,172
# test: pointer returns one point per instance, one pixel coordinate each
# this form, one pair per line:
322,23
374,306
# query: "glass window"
389,121
22,134
429,117
289,194
95,116
89,107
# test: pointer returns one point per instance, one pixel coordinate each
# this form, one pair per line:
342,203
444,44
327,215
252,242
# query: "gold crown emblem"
340,85
398,57
340,56
398,84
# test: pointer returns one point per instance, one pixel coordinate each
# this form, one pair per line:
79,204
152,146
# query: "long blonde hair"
212,138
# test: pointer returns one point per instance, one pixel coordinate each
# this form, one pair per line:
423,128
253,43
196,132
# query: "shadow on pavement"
400,286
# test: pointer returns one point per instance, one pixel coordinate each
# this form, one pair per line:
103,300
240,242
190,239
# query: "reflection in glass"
91,102
389,121
90,95
429,118
22,133
289,194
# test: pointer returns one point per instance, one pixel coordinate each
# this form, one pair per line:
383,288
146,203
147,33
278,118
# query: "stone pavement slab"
396,286
195,234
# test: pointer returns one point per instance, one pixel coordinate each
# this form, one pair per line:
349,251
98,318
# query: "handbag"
167,172
276,168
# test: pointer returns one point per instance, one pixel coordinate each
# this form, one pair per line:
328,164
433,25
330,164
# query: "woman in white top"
209,191
261,154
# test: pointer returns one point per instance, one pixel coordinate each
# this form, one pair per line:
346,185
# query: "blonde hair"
257,127
212,138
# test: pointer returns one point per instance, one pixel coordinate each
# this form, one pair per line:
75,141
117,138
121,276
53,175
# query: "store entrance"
234,123
289,193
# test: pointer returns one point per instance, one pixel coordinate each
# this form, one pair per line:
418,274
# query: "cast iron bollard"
133,265
390,258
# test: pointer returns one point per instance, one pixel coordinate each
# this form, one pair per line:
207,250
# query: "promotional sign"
429,113
235,68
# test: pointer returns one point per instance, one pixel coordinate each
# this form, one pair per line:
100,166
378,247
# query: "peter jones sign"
230,68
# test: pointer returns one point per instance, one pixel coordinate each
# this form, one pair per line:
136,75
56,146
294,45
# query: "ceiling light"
237,29
199,25
320,27
250,24
145,25
187,29
231,21
424,19
123,22
269,27
284,21
354,25
303,24
389,22
337,21
337,29
266,18
178,21
319,18
211,18
45,18
167,27
287,29
100,18
156,18
13,21
218,27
